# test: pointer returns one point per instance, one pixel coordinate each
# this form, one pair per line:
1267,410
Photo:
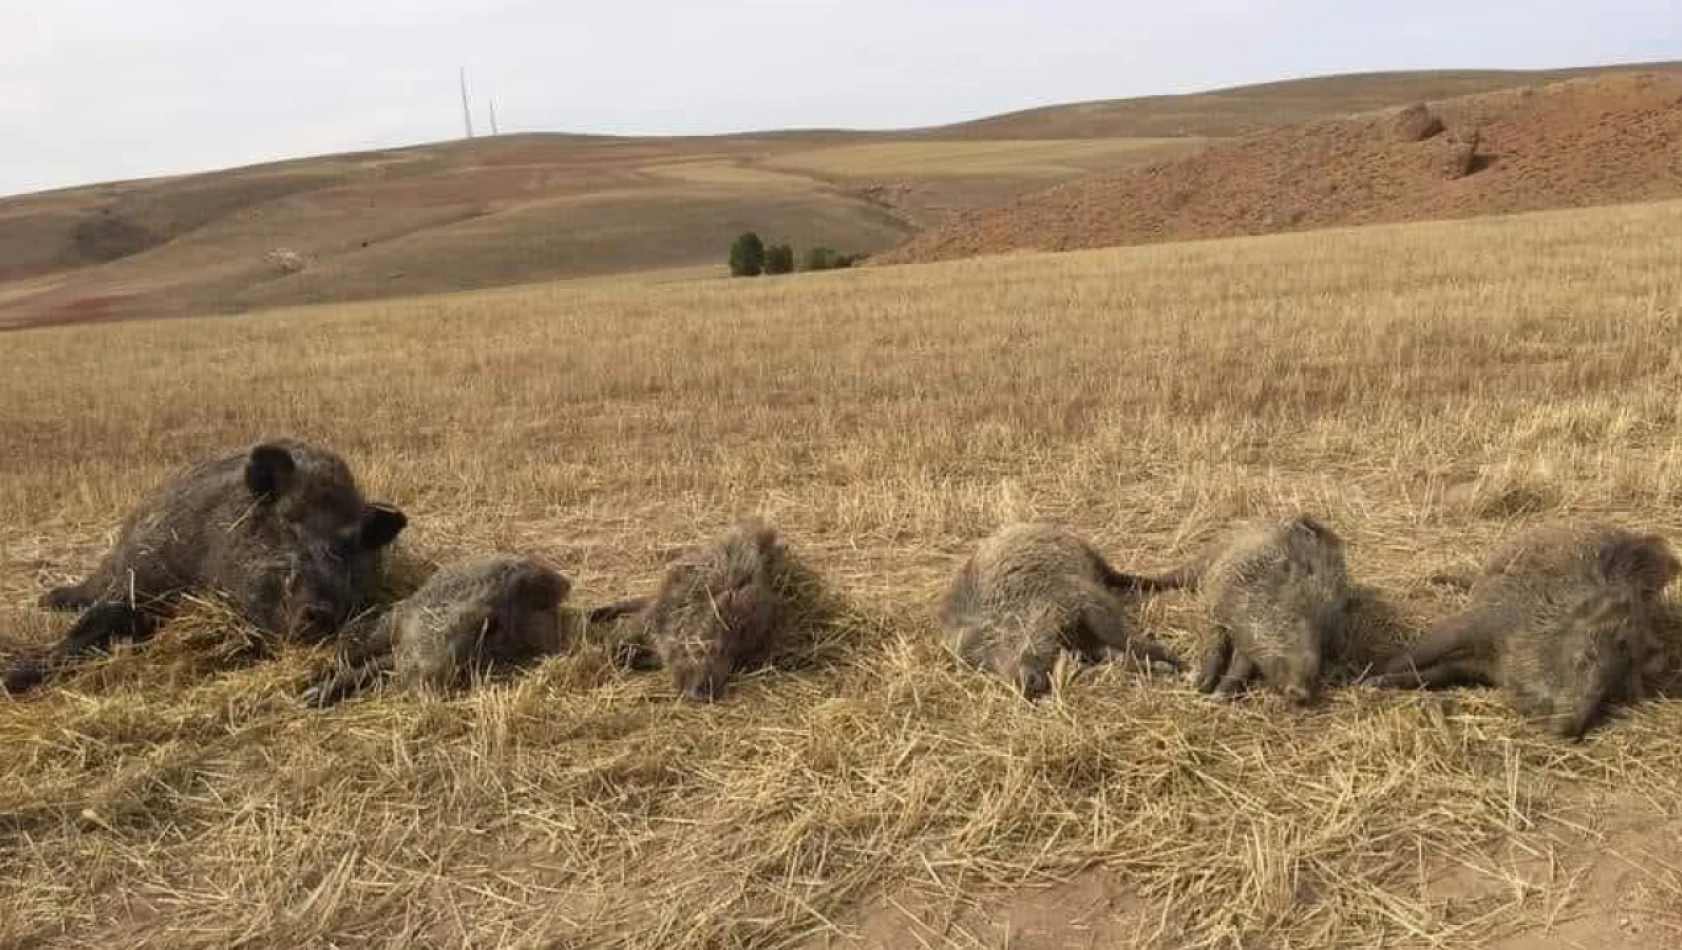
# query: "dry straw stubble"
1426,388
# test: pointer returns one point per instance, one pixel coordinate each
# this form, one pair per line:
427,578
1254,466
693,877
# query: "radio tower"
466,114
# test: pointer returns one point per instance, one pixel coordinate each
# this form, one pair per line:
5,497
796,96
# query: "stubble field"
1426,389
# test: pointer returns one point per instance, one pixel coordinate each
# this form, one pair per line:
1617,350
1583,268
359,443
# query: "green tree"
820,258
827,258
779,259
747,255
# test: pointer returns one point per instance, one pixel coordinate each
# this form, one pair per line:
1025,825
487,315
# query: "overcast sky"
93,90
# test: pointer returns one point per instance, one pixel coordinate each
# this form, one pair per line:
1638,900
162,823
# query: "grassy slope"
1234,111
531,207
1591,141
1428,389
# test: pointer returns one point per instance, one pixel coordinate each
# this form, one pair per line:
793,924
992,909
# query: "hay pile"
589,806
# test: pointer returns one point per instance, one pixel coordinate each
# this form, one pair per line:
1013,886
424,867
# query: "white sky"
93,90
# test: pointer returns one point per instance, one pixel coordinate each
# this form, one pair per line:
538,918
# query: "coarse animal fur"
722,607
280,530
1564,617
1032,590
482,614
1277,592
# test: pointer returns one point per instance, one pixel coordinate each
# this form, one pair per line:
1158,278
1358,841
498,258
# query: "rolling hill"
513,209
1579,142
1243,109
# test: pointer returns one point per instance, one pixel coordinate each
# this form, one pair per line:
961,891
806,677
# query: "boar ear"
1308,524
1647,559
760,532
269,470
381,524
543,589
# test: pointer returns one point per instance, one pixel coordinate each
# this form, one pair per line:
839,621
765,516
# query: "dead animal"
1277,592
1564,617
1032,590
280,530
722,607
479,615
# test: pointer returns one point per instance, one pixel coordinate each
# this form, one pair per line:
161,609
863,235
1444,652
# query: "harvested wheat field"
1426,389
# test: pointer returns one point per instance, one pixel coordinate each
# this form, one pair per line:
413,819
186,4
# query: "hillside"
1579,142
523,208
1244,109
449,217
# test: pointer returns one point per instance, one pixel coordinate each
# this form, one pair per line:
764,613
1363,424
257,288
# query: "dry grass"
588,236
1425,388
1241,109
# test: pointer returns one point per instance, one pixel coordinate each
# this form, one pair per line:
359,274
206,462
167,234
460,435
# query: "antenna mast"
466,114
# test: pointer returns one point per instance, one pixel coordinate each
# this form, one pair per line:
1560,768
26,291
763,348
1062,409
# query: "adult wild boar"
280,530
1564,617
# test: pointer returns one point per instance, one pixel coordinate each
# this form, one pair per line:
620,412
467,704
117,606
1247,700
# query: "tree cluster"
751,257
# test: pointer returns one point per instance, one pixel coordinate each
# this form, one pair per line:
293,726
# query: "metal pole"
466,114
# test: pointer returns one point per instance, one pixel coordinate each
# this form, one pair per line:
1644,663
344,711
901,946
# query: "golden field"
1008,158
1427,389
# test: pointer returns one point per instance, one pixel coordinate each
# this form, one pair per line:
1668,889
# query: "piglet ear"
381,524
543,588
1646,559
269,470
1309,525
759,533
